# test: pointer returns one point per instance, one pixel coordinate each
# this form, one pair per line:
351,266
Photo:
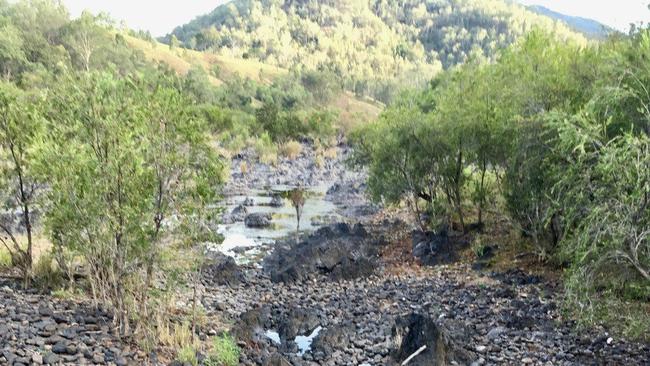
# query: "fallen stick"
414,354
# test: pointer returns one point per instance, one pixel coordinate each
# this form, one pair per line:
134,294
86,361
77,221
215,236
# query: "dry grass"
181,60
243,168
354,111
330,153
291,149
269,158
41,246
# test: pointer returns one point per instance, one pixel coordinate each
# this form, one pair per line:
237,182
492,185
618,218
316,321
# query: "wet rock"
338,252
238,214
222,270
258,220
277,201
248,202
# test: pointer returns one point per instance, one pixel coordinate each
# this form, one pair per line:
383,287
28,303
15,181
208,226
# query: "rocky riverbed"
37,329
463,316
363,290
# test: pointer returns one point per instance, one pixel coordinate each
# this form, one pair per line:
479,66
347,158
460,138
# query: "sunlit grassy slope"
352,110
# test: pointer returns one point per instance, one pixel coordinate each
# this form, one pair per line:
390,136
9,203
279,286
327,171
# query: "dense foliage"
555,135
105,156
371,45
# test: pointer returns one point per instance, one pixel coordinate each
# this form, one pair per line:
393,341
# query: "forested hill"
369,43
589,27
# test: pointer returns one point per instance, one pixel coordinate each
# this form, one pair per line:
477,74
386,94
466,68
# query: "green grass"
187,354
224,352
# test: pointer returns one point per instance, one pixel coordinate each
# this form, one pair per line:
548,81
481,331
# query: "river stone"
258,220
334,337
238,213
298,322
277,201
276,360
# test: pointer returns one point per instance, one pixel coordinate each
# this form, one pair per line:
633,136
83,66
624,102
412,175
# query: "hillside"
350,108
589,27
372,45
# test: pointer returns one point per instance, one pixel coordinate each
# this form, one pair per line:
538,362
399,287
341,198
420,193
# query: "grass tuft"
224,352
291,149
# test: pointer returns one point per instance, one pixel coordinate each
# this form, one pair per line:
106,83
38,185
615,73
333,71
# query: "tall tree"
20,126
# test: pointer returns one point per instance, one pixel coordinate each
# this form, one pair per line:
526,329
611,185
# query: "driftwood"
409,358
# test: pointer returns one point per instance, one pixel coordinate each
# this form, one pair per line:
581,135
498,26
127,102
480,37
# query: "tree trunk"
457,189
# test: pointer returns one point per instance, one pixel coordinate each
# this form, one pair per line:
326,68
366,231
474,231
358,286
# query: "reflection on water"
273,336
240,241
304,342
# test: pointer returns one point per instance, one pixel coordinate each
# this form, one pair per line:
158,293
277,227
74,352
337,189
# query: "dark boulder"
433,249
258,220
276,360
221,270
334,337
248,202
277,201
250,326
297,322
239,213
443,343
338,252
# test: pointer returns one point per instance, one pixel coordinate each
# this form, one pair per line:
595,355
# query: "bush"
224,352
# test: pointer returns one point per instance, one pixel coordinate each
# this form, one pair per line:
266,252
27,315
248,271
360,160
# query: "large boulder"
338,252
221,270
436,248
334,337
297,322
249,328
444,344
238,214
258,220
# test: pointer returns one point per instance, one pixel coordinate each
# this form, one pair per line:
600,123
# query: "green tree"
130,168
20,127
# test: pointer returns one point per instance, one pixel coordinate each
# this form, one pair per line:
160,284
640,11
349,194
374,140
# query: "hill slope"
368,43
590,27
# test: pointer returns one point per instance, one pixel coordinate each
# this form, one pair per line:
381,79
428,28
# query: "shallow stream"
248,245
